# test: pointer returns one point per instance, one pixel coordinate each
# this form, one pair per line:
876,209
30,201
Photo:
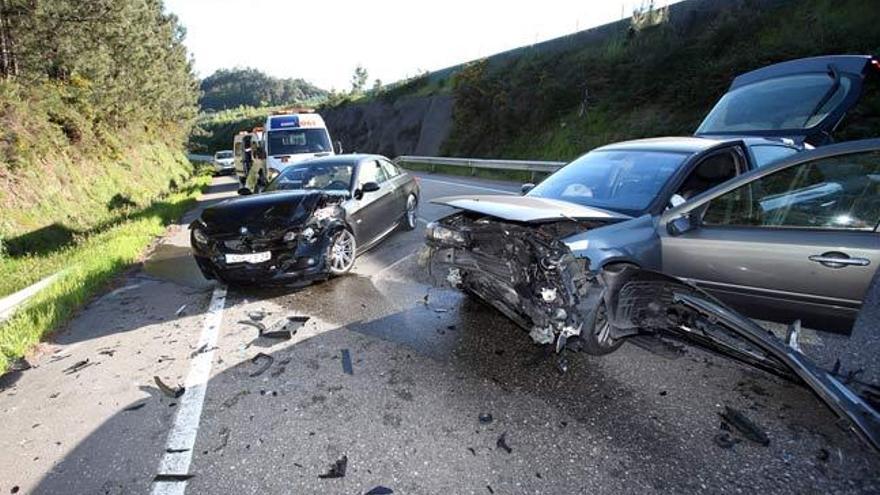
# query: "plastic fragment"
135,407
337,469
268,360
501,443
485,418
346,362
380,490
174,393
180,310
78,366
172,477
724,440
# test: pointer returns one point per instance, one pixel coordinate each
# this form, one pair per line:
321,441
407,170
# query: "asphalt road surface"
395,376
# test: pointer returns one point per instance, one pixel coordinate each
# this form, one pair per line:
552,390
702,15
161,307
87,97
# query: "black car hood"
528,209
260,213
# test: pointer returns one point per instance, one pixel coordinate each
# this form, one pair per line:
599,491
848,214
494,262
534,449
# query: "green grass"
88,266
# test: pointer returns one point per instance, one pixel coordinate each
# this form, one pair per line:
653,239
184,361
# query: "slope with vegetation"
630,79
97,99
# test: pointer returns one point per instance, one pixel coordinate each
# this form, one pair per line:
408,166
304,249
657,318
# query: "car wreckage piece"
272,237
523,270
651,302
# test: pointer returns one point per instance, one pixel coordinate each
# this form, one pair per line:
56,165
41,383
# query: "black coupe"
309,223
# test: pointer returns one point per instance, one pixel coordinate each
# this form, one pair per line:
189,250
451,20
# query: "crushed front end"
269,248
522,269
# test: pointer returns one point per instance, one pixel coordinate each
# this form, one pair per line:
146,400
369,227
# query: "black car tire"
341,252
596,333
411,215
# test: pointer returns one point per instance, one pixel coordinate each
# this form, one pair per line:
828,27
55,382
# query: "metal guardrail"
530,166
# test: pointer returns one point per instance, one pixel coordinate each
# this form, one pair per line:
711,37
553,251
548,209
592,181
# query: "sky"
322,41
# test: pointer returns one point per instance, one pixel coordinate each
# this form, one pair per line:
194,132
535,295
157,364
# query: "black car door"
373,211
794,240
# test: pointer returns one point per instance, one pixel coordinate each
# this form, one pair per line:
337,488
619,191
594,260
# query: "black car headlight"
445,235
200,237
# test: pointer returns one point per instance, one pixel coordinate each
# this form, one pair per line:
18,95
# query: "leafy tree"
359,79
232,88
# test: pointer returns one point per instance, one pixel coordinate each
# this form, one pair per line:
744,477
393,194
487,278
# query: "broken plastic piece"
258,315
174,393
380,490
285,328
485,418
259,326
724,440
172,477
268,360
135,407
346,362
501,443
78,366
180,310
745,426
337,469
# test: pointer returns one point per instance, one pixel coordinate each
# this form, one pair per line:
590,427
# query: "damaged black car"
311,222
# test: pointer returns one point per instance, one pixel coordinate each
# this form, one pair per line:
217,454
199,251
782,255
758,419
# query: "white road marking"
462,184
182,437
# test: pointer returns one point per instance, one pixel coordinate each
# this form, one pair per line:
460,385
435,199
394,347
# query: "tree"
359,79
231,88
377,86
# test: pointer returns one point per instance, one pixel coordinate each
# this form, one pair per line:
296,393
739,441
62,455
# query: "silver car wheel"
340,257
411,212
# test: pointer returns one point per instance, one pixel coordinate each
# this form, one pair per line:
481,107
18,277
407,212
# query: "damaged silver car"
785,239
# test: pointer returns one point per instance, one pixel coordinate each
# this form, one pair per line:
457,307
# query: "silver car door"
799,242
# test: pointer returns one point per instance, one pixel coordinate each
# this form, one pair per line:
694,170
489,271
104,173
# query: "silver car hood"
528,209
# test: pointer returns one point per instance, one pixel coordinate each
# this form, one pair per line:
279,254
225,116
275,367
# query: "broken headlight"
439,233
200,237
289,236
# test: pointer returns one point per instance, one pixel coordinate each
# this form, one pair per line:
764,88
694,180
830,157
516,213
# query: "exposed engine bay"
523,270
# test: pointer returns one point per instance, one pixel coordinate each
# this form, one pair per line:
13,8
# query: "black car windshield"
623,181
786,103
311,176
292,141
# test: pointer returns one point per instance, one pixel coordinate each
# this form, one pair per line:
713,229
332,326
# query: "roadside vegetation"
97,100
657,81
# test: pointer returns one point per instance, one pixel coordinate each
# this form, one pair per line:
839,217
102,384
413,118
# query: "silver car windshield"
623,181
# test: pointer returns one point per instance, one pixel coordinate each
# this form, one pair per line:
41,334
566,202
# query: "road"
425,365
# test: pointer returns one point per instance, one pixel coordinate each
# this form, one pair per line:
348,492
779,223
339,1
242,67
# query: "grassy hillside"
659,81
215,131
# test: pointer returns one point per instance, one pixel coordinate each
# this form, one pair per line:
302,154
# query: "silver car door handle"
818,258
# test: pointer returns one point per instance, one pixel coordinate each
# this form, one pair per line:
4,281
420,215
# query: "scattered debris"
725,441
15,489
201,350
489,487
78,366
174,393
285,328
472,451
440,310
135,407
485,418
823,455
172,477
176,451
337,469
346,362
380,490
180,311
501,443
259,326
55,395
745,426
234,399
268,360
258,315
562,365
107,352
663,392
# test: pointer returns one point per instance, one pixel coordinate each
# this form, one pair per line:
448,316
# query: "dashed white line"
462,184
182,437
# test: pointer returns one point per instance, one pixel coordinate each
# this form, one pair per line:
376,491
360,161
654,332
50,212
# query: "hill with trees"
233,88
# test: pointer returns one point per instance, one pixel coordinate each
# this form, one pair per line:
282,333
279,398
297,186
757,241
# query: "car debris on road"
173,393
337,469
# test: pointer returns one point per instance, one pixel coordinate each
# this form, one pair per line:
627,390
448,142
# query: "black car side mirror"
683,224
244,191
366,187
528,186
